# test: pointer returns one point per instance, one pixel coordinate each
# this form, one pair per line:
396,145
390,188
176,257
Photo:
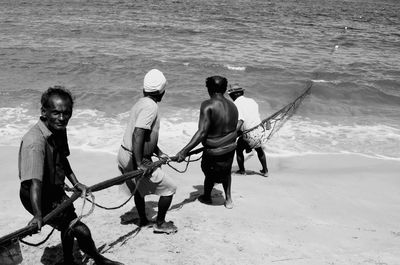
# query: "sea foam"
96,131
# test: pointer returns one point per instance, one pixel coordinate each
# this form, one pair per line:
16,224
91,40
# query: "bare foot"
204,199
166,227
144,222
264,173
228,204
241,172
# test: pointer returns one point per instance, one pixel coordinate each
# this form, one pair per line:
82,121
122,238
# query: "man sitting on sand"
43,166
139,144
249,117
217,132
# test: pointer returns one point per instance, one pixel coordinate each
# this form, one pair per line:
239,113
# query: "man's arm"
31,170
71,176
36,202
204,125
239,126
138,147
160,154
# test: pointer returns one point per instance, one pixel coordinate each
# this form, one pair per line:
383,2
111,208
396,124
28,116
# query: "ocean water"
102,49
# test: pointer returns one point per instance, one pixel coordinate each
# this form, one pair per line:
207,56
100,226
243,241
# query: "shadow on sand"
54,254
132,216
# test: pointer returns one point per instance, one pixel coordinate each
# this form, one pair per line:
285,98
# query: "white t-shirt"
248,112
144,114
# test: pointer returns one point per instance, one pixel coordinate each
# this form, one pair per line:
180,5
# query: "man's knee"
240,146
170,186
172,189
80,229
259,151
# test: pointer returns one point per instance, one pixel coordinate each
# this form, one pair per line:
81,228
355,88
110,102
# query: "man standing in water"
249,117
217,132
43,166
139,144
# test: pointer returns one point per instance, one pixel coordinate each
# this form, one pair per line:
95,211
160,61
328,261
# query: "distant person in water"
139,144
249,117
217,132
43,166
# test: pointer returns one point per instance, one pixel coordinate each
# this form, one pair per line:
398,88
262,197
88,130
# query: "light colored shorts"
255,137
159,183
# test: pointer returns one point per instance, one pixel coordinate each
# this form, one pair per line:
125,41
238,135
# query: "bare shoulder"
207,104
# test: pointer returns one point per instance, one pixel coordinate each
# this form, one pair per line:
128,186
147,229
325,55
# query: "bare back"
222,115
218,120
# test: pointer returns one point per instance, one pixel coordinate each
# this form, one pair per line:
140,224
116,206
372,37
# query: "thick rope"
82,215
39,243
119,206
92,200
113,207
188,161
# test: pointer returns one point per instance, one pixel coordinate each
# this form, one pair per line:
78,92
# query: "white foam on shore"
325,81
235,68
93,130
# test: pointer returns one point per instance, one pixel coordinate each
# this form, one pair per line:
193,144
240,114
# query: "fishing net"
269,126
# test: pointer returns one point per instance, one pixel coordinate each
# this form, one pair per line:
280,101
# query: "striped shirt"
43,156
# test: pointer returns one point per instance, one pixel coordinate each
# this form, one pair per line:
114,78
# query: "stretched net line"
274,122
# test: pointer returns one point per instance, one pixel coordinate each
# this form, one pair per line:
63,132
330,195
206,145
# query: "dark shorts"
51,198
217,168
243,145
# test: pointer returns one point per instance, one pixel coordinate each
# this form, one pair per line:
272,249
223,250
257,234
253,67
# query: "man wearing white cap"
139,145
249,117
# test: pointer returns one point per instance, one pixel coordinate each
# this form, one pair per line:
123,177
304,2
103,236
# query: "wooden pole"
31,229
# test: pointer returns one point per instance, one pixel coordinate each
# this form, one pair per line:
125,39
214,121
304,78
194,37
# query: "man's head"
235,91
56,110
154,84
216,84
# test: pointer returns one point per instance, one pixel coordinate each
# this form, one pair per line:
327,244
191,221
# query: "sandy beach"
314,209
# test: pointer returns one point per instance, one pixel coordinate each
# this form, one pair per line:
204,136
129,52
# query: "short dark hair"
216,84
60,91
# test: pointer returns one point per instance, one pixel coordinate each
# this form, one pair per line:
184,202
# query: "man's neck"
217,95
152,97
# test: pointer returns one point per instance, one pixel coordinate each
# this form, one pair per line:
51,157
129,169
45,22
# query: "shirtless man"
217,132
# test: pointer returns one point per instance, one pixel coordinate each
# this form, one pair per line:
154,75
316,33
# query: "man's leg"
141,208
239,156
139,201
263,160
227,188
67,242
86,244
208,179
208,186
166,189
161,225
163,205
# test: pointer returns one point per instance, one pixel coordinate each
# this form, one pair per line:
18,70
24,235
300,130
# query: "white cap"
154,81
